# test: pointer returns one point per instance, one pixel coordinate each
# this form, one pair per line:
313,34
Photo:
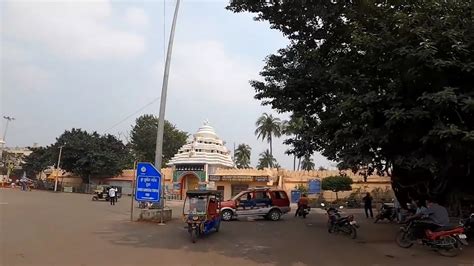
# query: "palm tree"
266,160
242,156
268,127
292,128
307,163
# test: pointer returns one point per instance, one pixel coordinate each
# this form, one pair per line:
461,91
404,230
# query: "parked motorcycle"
468,225
303,211
447,241
341,224
386,212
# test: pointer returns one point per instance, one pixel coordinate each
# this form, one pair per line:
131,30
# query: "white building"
199,158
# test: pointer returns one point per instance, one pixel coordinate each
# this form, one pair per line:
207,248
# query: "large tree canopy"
143,139
381,85
39,159
90,154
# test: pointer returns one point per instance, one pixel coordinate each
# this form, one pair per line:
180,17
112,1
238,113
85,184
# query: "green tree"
38,160
292,128
267,128
307,163
337,183
266,160
242,156
143,139
381,85
90,154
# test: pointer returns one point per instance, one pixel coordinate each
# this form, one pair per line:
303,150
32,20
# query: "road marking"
3,203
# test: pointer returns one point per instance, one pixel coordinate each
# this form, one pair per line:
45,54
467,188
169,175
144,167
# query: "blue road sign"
148,187
314,186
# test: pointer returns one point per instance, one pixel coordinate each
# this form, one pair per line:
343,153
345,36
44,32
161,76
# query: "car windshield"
239,195
195,205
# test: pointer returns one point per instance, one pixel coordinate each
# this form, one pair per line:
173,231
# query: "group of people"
428,213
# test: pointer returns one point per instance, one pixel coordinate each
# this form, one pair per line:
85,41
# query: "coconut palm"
266,160
267,128
242,156
307,163
292,128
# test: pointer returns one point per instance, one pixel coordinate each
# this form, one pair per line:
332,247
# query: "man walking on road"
112,195
368,205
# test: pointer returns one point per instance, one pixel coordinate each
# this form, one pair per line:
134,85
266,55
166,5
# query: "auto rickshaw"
101,192
201,212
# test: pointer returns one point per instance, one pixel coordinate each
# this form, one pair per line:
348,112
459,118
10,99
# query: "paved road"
44,228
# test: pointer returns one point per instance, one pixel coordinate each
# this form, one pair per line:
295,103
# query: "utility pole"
164,91
2,141
57,168
161,117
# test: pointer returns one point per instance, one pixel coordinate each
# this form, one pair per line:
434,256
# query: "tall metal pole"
57,169
161,118
164,91
2,142
133,189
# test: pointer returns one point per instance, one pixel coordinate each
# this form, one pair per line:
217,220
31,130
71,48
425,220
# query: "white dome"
206,131
204,148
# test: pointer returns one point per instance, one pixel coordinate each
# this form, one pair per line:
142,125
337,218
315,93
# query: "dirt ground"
45,228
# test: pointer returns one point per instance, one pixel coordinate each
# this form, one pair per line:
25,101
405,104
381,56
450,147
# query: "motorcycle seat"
445,228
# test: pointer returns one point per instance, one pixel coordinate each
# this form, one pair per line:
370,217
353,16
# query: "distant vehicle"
102,192
264,202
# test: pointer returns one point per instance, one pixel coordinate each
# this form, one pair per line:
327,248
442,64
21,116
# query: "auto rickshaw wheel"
194,234
218,225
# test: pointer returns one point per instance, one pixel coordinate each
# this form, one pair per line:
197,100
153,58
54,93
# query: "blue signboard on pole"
148,187
314,186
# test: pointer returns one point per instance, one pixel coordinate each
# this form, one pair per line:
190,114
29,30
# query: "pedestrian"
112,195
368,205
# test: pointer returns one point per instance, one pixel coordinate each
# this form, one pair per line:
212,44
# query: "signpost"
314,186
148,185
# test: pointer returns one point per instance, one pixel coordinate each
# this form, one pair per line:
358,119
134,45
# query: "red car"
265,202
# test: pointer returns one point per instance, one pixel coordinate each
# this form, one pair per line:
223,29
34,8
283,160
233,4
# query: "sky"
98,65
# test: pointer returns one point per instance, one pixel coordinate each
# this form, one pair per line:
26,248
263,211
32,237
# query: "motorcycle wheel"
452,250
403,240
376,219
330,228
351,231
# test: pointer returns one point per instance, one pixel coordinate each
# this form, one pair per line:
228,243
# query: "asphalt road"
44,228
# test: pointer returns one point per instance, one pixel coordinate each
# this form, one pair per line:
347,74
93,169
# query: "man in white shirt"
112,194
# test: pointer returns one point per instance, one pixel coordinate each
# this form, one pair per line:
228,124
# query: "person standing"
112,195
368,205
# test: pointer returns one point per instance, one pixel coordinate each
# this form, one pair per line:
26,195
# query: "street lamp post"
161,116
2,142
57,168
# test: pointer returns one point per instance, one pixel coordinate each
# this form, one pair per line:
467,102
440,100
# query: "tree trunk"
271,151
271,148
294,162
299,163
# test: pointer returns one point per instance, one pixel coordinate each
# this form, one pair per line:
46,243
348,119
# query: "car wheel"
227,215
274,215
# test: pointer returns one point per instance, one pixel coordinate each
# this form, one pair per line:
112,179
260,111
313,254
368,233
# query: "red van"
265,202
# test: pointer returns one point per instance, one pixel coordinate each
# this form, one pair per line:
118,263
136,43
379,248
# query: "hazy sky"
91,64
